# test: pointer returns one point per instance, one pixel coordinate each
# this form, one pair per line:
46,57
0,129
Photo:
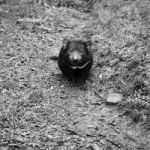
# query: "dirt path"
39,109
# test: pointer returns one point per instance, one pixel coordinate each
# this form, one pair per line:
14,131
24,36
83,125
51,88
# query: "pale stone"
114,98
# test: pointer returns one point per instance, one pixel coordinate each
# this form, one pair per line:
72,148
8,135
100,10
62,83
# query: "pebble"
114,98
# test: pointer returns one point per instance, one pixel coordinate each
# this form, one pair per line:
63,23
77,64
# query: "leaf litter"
40,109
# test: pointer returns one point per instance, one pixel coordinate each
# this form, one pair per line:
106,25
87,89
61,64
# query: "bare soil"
41,110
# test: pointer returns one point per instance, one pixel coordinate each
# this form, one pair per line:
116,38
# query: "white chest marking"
80,67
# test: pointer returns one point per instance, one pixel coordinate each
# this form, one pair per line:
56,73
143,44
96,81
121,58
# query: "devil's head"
76,51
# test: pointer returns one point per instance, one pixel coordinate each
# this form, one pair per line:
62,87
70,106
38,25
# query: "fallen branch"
30,20
39,20
118,145
45,28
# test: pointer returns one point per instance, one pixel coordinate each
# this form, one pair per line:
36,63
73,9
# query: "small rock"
96,147
52,87
114,98
100,76
1,42
62,86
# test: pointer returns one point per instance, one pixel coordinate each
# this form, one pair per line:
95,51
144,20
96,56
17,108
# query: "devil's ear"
88,44
65,43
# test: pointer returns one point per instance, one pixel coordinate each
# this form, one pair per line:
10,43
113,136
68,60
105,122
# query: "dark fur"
76,71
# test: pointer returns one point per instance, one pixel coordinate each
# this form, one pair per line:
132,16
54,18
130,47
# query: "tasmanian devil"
75,59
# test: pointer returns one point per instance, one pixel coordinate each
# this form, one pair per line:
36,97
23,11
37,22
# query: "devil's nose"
76,58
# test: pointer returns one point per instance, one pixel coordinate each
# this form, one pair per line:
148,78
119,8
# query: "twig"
30,20
115,144
39,20
44,28
71,132
96,93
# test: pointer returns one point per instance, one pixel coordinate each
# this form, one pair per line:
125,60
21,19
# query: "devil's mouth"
80,67
74,67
